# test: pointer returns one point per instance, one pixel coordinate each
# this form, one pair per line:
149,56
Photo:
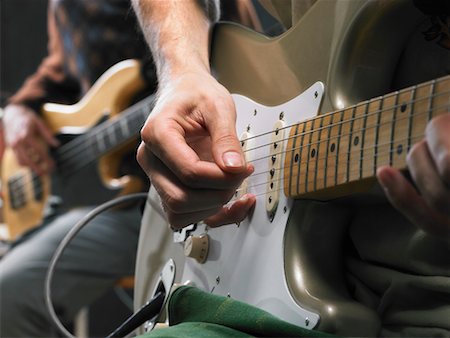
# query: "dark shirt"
86,37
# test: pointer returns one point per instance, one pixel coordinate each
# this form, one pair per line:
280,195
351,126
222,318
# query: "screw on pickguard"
275,161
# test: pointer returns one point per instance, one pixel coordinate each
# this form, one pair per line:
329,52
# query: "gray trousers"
96,258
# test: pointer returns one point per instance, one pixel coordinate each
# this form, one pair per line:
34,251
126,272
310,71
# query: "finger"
405,199
169,145
439,145
427,179
178,221
226,147
235,213
178,198
46,133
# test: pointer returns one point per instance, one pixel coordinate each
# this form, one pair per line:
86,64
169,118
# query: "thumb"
226,147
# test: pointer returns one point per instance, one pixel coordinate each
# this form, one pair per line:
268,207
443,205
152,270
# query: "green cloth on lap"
195,313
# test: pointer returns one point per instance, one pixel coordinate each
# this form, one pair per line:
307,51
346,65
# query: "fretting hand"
428,206
28,136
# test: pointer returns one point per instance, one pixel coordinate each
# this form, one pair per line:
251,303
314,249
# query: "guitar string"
347,121
311,145
334,157
330,170
67,150
338,123
65,153
361,130
333,176
80,164
380,99
25,182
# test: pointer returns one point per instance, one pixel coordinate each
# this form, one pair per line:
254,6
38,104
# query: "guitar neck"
103,138
345,147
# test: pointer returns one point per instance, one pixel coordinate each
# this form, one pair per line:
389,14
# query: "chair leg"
81,324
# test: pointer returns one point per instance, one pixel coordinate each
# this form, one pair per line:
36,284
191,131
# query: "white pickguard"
246,262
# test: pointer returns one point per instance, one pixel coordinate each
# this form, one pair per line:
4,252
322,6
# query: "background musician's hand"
427,205
29,137
191,153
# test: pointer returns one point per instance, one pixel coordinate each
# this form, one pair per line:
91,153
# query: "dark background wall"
23,42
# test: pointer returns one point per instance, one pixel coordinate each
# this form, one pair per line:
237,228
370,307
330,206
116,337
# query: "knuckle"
189,176
141,155
175,202
151,130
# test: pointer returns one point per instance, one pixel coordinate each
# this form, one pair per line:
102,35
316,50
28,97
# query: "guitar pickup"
275,161
247,142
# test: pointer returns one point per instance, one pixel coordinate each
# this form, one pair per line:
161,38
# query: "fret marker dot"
399,149
356,140
403,107
313,153
333,147
296,158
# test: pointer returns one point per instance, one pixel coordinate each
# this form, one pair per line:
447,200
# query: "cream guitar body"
96,133
316,117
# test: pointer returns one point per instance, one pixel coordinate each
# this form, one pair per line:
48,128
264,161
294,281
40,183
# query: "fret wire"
377,134
317,153
338,146
292,161
308,154
352,121
411,114
300,156
433,87
327,153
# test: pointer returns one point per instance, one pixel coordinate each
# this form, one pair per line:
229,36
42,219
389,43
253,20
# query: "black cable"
65,242
148,312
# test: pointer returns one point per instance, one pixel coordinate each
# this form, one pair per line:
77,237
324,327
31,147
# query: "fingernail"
232,159
244,198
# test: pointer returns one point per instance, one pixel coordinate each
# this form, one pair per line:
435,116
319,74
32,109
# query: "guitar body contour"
109,96
340,53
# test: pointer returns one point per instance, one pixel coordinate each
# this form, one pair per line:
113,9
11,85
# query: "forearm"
178,34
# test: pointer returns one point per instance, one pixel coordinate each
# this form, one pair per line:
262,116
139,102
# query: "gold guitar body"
356,48
109,96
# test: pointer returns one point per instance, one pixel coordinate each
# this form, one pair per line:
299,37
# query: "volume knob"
197,247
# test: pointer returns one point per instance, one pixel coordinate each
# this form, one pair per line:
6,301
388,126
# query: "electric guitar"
96,133
307,140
